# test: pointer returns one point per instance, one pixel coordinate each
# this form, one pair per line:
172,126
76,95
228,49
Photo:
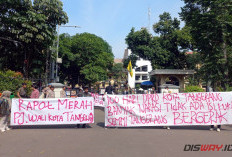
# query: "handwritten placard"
98,99
168,109
52,111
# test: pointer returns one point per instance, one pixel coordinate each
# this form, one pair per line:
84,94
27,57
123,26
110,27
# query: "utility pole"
58,60
149,20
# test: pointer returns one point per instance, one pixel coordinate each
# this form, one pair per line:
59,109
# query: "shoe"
218,129
168,128
211,129
7,128
3,130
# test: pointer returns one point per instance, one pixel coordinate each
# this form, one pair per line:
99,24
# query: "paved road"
96,141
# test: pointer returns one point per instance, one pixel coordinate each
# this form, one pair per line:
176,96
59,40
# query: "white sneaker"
218,129
168,127
3,130
211,129
7,128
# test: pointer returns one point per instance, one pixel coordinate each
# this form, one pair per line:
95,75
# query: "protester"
50,93
126,91
133,91
35,92
109,89
22,91
45,90
84,94
80,93
218,128
63,93
5,102
153,90
166,90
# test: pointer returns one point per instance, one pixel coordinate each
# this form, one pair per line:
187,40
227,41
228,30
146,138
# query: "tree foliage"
12,81
86,57
27,31
210,23
165,49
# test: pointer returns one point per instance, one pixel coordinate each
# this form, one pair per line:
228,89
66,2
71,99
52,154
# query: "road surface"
96,141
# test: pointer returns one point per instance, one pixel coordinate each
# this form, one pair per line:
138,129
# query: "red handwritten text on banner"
168,109
52,111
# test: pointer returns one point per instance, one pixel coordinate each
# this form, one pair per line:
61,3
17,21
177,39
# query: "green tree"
27,31
118,72
165,51
210,23
169,29
87,58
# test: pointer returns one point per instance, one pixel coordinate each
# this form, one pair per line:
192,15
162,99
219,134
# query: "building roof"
57,85
172,72
117,60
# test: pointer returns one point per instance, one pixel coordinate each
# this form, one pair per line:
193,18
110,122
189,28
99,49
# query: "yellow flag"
129,68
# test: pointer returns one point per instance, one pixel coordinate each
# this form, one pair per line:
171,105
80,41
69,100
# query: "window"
144,68
137,69
144,77
137,77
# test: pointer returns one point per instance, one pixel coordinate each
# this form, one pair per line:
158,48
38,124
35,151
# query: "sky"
112,20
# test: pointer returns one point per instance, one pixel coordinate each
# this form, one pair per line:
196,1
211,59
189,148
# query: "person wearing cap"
63,93
35,92
50,93
22,91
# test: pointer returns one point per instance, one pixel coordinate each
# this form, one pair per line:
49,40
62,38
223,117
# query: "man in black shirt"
109,89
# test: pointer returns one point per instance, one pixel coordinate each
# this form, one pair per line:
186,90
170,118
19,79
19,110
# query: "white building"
140,72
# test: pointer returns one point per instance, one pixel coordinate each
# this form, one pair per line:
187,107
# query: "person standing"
218,128
46,89
22,91
84,94
35,92
109,89
63,93
6,103
50,93
153,91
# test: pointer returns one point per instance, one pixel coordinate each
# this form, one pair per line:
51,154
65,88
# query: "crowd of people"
48,92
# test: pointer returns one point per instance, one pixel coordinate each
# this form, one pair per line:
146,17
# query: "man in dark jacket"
109,89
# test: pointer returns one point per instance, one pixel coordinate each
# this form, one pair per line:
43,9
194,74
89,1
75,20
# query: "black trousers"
218,126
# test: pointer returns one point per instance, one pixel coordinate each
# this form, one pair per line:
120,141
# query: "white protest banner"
168,109
52,111
98,100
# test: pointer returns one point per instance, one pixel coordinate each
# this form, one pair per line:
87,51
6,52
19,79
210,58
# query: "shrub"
193,89
12,81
